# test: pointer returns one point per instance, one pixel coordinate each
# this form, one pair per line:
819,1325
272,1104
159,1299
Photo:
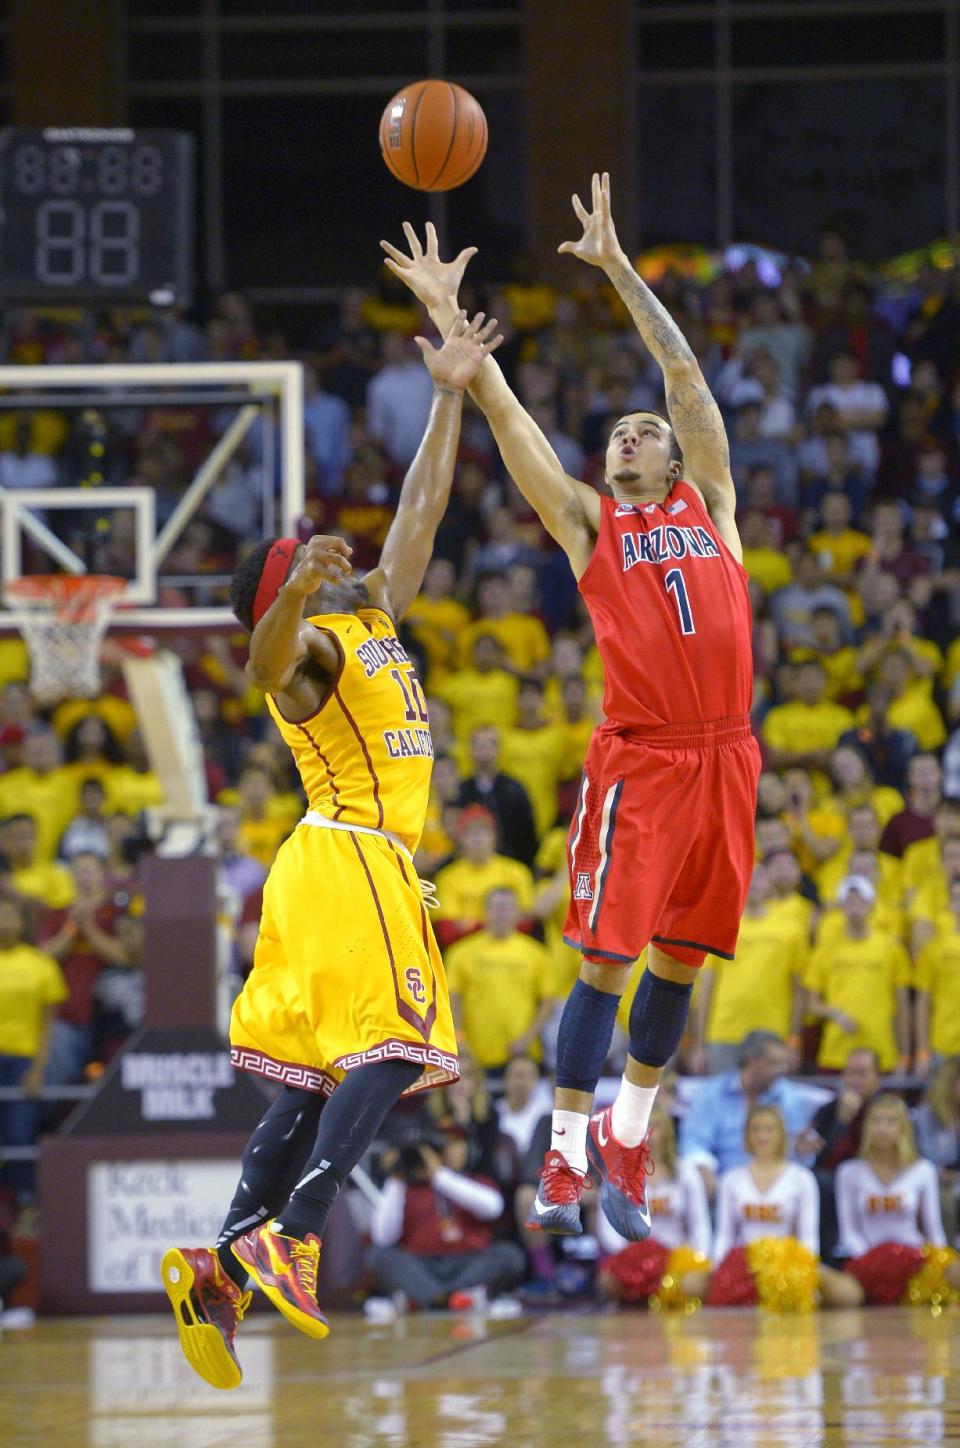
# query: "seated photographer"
432,1232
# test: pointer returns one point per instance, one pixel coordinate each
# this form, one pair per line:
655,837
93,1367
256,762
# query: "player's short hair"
246,581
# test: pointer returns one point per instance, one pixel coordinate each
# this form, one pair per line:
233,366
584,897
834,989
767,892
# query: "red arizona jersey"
671,614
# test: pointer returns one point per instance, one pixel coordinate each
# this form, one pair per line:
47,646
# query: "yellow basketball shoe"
286,1270
208,1307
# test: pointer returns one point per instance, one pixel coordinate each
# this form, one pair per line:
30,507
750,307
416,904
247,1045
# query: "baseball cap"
474,814
858,884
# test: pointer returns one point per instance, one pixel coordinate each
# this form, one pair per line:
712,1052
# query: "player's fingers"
395,254
433,246
567,246
465,255
492,346
595,190
605,192
474,327
582,213
331,543
416,250
490,327
424,346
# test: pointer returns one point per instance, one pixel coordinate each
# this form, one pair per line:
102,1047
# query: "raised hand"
431,280
598,245
325,559
454,365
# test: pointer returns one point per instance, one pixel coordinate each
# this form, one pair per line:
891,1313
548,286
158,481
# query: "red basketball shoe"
556,1207
286,1270
208,1307
623,1172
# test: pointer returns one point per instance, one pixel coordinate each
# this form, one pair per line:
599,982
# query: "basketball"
433,135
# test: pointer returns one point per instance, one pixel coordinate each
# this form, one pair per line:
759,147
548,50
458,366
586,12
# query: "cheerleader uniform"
767,1243
892,1232
679,1241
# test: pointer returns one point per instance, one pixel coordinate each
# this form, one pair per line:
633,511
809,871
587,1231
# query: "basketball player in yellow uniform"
346,1005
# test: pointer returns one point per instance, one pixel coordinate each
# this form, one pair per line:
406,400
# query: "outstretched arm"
694,415
568,509
426,487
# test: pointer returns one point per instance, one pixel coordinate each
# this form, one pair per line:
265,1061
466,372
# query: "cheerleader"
649,1272
888,1209
767,1243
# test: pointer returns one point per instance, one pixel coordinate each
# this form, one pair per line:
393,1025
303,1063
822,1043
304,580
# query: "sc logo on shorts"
415,983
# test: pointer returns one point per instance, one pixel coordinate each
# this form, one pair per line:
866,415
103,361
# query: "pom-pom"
929,1285
785,1272
885,1271
670,1295
732,1284
638,1270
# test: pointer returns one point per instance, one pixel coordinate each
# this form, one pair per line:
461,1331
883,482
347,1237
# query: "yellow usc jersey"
366,756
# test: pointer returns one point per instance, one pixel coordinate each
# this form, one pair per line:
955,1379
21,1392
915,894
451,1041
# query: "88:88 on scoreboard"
95,215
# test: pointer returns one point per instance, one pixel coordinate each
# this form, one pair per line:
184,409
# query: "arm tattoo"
696,419
694,415
659,331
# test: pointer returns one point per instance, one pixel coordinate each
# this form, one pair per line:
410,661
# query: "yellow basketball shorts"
346,969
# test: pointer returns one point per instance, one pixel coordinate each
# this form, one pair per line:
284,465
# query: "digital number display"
95,215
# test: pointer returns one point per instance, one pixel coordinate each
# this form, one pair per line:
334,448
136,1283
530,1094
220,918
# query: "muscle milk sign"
171,1080
177,1085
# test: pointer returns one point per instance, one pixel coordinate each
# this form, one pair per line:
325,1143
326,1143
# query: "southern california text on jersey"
670,607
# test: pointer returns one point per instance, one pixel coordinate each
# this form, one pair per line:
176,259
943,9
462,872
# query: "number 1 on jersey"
675,584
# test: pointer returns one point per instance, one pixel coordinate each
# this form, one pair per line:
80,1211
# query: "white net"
63,618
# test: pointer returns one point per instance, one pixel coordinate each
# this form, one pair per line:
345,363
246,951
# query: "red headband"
274,575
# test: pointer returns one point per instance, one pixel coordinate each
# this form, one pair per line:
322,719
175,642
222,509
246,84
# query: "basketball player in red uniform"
661,845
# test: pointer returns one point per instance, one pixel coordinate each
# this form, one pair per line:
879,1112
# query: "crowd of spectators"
841,396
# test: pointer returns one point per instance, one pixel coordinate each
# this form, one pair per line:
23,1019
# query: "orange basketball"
433,135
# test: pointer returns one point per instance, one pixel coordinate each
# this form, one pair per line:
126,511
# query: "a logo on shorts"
583,890
415,983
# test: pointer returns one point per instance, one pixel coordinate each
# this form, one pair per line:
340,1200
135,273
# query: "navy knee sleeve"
583,1042
658,1017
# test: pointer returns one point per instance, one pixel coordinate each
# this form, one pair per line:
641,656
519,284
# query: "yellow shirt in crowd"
885,917
840,667
501,984
916,712
29,981
768,568
938,975
755,990
477,699
794,909
51,800
462,888
523,638
798,728
923,867
46,881
536,757
889,877
564,960
860,977
14,662
842,551
437,624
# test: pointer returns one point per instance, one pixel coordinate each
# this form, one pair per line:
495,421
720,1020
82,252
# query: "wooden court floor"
713,1380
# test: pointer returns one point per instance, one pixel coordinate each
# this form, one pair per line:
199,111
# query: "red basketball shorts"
661,845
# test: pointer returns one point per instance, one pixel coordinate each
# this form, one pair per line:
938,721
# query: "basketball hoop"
65,618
